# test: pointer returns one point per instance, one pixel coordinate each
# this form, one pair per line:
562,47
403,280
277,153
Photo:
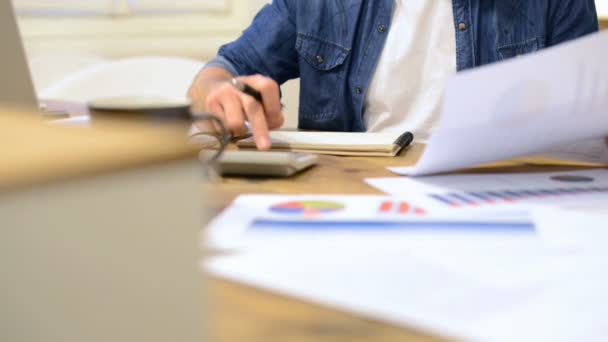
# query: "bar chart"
486,198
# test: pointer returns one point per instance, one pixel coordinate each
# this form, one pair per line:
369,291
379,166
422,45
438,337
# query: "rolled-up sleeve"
571,19
266,47
223,63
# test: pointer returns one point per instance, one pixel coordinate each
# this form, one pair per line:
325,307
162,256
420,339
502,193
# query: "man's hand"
212,92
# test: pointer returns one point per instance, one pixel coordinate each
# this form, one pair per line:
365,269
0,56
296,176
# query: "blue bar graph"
479,198
426,225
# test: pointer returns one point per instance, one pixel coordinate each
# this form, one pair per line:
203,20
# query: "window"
116,7
602,8
120,28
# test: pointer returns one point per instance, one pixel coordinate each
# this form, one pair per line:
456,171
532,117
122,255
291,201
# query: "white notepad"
337,143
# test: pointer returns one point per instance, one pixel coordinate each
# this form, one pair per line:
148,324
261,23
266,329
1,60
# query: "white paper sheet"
390,285
255,221
80,120
499,192
450,239
383,286
573,309
456,283
574,226
340,139
521,107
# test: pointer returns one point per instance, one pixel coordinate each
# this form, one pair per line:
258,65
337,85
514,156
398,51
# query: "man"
373,65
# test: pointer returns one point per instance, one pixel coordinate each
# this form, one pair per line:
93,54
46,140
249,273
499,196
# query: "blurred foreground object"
99,232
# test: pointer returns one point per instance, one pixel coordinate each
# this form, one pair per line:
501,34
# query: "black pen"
249,90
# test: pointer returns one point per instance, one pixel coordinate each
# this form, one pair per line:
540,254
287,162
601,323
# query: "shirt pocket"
322,71
518,49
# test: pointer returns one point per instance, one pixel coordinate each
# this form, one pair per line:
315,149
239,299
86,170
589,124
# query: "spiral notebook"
337,143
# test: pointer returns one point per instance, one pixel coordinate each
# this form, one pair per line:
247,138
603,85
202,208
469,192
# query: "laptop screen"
16,87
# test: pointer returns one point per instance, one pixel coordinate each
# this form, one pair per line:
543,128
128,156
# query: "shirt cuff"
224,63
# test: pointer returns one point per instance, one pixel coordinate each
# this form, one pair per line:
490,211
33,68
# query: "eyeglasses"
212,135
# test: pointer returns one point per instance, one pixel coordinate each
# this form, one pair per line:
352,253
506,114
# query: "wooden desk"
242,313
34,151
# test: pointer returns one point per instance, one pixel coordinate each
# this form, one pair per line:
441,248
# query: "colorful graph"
402,225
400,208
572,179
480,198
307,207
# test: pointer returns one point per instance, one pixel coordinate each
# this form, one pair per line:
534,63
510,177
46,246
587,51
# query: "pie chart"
306,207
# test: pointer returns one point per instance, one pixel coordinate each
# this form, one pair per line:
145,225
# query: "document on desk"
578,225
573,309
521,107
386,286
396,260
370,223
392,286
499,191
254,221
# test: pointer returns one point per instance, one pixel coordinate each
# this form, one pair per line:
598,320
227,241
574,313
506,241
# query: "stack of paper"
390,258
481,280
497,257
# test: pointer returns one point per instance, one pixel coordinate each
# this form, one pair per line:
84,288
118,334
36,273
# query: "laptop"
16,86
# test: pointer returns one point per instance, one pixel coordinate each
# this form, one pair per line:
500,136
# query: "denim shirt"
333,46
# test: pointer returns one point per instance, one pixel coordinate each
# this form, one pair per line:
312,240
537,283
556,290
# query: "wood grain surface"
35,151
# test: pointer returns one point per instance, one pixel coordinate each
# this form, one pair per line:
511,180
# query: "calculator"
261,163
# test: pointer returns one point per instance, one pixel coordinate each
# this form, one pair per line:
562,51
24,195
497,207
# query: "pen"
249,90
225,136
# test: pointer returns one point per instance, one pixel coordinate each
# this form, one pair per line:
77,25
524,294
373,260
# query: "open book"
337,143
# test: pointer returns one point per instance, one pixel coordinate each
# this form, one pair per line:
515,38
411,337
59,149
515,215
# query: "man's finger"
270,96
234,114
257,118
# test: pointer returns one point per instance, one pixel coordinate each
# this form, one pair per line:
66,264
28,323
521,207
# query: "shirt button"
381,28
320,59
462,27
359,91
